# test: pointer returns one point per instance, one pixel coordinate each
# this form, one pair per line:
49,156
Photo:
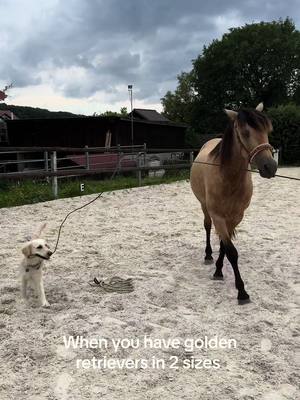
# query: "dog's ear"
27,250
38,233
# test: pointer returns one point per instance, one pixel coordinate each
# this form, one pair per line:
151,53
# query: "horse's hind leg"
207,225
218,275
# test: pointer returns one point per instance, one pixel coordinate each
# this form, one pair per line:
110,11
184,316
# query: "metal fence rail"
19,163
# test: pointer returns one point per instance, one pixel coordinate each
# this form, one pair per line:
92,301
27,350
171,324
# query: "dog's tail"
38,233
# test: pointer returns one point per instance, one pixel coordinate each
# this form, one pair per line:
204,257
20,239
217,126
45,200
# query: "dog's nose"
49,253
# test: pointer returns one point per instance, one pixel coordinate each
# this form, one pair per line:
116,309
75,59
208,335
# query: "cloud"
80,48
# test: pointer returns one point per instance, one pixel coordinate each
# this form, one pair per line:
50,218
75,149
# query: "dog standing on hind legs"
31,269
224,188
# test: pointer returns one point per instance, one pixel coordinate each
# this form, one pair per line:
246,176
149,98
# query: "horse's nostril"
270,169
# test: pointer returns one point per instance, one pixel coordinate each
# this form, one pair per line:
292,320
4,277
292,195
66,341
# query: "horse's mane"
256,119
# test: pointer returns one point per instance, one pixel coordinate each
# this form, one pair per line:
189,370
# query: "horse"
221,180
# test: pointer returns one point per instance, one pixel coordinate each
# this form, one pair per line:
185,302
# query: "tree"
23,112
257,62
286,133
178,106
253,63
123,113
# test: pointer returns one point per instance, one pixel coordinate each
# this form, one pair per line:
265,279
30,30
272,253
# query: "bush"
286,133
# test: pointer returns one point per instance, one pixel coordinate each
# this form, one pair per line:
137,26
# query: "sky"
81,55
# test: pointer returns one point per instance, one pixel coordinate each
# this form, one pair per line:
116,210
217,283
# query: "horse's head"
251,128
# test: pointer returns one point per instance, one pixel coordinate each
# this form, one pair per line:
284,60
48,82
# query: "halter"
258,149
253,153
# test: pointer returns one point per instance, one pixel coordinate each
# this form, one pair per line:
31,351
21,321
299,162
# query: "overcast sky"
80,55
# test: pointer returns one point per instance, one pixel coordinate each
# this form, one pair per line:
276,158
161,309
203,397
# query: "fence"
18,163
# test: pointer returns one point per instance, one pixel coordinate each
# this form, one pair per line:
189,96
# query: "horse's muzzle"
267,168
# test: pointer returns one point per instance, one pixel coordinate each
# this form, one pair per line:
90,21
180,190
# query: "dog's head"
37,248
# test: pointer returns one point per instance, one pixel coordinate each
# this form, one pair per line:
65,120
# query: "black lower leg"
232,255
219,263
208,249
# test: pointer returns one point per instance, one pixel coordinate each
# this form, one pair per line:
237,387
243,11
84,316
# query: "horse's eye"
246,133
40,247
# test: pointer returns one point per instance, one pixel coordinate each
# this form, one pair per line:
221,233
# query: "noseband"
253,153
258,149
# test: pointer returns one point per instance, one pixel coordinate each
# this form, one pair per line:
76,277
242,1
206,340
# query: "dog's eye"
40,247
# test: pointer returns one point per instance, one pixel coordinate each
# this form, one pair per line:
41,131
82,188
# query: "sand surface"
155,236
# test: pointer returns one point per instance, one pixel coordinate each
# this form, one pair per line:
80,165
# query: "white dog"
35,252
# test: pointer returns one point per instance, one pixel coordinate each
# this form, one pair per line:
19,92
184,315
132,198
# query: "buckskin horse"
221,181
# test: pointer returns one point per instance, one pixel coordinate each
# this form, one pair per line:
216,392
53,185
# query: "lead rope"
249,170
79,208
115,284
114,173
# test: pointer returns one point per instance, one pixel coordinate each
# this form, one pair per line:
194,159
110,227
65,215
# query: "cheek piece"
256,150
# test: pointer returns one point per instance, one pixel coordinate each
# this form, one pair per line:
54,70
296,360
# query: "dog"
35,252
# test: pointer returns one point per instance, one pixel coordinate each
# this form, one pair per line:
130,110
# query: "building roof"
149,115
7,114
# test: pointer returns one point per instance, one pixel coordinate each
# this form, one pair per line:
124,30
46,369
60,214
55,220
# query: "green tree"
178,106
286,133
122,113
257,62
253,63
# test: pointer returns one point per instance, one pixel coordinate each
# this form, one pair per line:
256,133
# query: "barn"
148,126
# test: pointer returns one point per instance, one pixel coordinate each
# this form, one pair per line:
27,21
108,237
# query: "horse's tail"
233,234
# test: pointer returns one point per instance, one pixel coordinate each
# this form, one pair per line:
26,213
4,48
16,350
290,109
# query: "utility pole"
130,95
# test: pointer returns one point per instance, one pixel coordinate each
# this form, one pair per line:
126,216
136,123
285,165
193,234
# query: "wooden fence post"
46,161
54,178
46,164
191,158
139,171
87,159
20,157
145,154
119,158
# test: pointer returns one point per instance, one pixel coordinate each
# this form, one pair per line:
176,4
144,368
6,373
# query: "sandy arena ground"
154,235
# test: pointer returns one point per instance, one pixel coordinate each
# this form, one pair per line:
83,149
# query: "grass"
29,192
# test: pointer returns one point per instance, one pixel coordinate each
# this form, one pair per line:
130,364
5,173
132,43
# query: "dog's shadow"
57,298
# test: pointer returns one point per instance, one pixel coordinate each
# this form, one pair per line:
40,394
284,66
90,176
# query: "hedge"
286,133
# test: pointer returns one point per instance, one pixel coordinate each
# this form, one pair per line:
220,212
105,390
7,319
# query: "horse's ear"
260,107
231,114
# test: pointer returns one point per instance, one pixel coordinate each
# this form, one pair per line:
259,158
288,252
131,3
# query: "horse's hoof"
217,278
208,260
241,302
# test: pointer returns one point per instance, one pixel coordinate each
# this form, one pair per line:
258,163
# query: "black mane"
253,118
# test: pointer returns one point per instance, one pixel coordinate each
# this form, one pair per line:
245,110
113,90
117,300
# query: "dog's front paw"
45,304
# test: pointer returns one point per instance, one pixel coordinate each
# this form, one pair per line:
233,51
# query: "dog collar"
36,266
